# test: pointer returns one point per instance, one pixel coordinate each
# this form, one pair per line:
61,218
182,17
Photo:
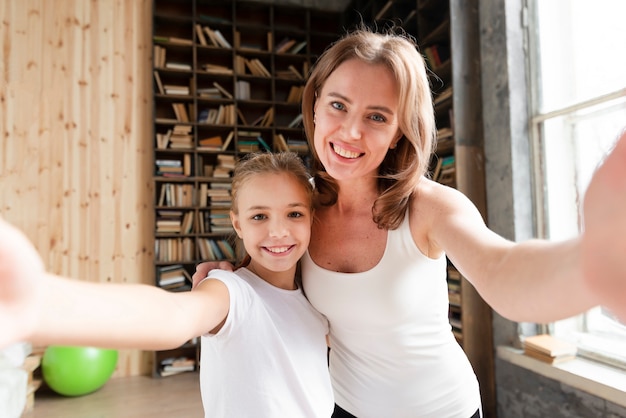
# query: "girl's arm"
48,309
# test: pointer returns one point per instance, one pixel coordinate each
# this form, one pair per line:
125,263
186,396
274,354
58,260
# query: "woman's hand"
202,269
21,282
604,236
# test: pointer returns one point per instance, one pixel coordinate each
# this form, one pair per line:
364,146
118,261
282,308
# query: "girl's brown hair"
403,166
270,163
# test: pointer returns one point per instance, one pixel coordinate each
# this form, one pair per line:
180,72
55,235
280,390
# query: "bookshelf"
457,161
228,77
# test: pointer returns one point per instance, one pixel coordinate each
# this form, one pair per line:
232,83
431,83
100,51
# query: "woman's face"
356,120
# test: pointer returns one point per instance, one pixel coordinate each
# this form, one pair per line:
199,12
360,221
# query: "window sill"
597,379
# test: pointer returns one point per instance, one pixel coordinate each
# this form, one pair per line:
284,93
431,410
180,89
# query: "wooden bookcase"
429,21
227,81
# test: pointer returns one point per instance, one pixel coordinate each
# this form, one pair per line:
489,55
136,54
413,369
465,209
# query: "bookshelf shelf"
220,83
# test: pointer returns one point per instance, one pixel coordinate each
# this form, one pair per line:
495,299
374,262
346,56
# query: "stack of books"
549,349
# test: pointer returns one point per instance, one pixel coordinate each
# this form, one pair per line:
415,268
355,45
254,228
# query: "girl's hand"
604,236
21,280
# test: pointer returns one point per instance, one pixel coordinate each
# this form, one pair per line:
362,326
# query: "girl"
263,345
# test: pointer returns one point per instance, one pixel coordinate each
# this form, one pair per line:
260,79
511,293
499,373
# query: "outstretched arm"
604,237
542,281
48,309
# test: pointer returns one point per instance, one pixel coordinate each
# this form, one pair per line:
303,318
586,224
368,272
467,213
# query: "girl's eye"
338,106
296,215
258,217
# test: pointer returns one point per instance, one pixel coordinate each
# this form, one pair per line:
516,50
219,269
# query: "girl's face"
274,221
356,120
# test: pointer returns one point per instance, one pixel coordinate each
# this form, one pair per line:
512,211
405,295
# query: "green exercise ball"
76,371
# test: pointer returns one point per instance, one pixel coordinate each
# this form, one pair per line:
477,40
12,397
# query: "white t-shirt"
393,353
270,357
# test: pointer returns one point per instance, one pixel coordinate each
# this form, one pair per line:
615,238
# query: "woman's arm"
537,280
48,309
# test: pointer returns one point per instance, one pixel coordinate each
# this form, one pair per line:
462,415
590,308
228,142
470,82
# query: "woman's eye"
378,118
338,106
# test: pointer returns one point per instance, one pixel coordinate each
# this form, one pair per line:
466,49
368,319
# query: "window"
577,60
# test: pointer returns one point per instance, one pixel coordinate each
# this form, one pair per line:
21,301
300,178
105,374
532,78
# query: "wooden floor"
130,397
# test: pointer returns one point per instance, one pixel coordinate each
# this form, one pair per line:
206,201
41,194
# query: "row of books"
179,166
175,194
178,137
211,37
214,220
182,250
454,286
437,55
222,115
183,195
173,277
214,91
216,249
252,66
444,171
174,249
206,36
175,365
174,222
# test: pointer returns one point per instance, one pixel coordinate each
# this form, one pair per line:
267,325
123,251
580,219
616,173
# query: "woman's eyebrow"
379,108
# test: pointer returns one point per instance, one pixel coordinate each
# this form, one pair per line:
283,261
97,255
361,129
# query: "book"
549,349
176,89
178,66
221,40
222,90
212,143
200,35
228,140
281,143
264,144
295,121
172,275
297,47
159,83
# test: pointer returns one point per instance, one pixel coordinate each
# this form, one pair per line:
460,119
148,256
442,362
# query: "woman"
375,266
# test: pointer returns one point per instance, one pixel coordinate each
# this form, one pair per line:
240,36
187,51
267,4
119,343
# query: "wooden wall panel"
75,145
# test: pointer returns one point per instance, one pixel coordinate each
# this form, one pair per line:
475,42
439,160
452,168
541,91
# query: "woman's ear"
396,139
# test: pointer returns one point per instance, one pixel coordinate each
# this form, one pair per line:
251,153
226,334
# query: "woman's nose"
352,126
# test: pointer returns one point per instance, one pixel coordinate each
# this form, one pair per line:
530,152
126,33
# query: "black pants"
340,413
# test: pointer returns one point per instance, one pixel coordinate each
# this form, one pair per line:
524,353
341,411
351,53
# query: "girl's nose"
278,228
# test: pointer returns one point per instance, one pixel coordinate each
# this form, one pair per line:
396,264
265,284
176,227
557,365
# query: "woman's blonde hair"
403,166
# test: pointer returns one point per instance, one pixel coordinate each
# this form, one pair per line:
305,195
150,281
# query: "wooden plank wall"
76,136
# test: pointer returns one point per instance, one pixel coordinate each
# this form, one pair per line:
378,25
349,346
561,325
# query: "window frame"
591,342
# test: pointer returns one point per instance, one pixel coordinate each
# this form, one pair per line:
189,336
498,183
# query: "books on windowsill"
549,349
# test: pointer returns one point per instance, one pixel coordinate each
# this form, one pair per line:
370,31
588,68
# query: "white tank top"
393,353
